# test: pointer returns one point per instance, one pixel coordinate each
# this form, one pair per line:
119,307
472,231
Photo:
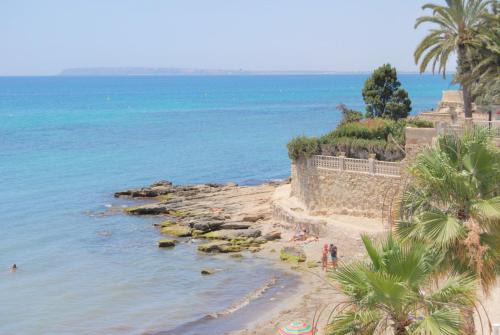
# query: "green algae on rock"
219,247
292,255
176,230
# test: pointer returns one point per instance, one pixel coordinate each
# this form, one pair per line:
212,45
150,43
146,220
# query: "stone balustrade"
369,166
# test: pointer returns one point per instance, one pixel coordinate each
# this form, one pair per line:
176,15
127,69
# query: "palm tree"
453,204
458,31
485,74
395,290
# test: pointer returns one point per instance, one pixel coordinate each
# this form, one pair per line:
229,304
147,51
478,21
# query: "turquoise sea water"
67,143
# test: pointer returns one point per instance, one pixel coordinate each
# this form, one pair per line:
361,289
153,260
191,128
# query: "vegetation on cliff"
358,139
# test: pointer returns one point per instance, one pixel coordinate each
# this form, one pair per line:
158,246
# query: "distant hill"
147,71
141,71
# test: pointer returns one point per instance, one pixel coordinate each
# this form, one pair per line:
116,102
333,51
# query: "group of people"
332,250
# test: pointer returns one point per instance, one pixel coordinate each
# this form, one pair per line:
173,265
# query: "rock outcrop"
216,212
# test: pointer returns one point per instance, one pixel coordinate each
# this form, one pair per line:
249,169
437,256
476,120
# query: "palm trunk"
467,101
400,329
463,70
470,326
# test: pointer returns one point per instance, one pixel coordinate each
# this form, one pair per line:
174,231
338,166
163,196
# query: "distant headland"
160,71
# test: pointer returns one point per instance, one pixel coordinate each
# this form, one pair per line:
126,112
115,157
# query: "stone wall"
325,191
450,110
417,139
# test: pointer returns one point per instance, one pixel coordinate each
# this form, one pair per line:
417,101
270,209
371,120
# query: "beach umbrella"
298,328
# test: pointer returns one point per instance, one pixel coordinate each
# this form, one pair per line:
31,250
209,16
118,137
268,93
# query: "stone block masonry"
330,191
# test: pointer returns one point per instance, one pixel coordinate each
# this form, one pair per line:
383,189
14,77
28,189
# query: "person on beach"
333,254
324,257
300,236
13,268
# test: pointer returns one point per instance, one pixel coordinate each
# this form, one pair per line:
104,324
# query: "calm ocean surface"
67,143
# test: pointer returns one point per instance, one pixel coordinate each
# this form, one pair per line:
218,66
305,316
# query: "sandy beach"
317,294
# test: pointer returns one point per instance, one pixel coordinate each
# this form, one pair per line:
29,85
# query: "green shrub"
367,129
303,147
419,123
360,148
358,139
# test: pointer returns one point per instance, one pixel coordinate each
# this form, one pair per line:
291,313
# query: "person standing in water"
333,254
13,268
324,257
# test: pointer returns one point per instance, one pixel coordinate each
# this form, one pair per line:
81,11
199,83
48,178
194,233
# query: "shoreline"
249,208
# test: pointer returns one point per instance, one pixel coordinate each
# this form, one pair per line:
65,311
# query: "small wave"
187,327
246,300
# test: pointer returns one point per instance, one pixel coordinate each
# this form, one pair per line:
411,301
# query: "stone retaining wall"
325,191
293,221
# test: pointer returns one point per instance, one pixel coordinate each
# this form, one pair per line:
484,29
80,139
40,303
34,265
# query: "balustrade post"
342,161
371,163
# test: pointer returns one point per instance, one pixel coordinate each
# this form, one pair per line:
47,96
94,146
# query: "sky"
44,37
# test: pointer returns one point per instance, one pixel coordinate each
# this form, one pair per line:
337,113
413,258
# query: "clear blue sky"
42,37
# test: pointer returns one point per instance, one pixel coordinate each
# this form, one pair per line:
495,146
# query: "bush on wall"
382,137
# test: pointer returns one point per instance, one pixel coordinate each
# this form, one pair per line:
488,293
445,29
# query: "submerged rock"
166,243
207,271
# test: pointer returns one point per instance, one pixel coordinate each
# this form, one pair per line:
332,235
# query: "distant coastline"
150,71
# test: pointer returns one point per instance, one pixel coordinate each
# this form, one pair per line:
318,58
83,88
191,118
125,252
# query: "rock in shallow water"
156,189
209,271
166,243
176,230
219,247
151,209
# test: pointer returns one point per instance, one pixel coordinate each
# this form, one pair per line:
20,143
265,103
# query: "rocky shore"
230,218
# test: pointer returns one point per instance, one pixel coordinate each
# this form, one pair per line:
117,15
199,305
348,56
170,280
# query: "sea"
68,143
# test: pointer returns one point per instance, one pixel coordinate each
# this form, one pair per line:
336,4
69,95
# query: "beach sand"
317,294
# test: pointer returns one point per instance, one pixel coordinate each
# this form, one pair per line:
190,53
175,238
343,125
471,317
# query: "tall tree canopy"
384,96
457,29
